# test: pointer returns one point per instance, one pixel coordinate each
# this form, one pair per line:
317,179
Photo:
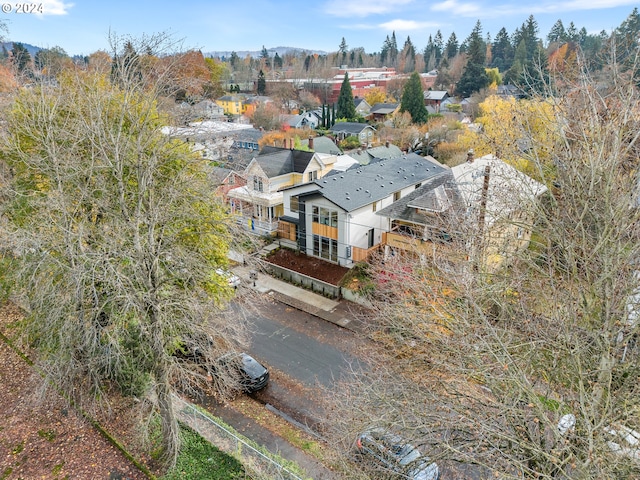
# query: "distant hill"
256,53
30,48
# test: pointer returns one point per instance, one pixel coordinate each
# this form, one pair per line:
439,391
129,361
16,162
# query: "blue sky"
82,26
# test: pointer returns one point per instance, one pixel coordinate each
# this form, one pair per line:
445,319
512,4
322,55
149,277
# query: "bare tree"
528,370
115,236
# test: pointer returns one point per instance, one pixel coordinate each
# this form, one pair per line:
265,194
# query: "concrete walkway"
330,310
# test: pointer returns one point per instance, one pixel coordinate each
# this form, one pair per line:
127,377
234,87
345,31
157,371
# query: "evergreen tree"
333,114
264,55
277,61
557,34
21,58
451,48
438,45
474,77
346,107
413,99
393,49
384,52
409,55
323,119
502,51
429,55
262,83
342,50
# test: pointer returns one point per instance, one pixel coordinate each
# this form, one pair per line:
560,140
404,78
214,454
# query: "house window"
294,204
231,180
313,176
257,184
418,185
396,196
520,232
325,248
325,216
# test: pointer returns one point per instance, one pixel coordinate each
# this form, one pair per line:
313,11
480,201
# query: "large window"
313,176
325,248
294,204
257,184
325,216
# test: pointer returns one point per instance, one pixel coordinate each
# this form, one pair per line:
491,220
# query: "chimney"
470,156
310,143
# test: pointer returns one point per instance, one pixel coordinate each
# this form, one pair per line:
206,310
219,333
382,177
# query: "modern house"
335,218
259,203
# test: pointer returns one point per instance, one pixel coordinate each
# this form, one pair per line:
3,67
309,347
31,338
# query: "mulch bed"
310,266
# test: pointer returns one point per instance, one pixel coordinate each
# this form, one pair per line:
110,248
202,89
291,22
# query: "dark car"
396,454
253,375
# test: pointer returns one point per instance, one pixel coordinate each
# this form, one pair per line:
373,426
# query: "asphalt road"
308,349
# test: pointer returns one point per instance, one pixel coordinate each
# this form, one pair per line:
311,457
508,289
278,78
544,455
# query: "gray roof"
276,161
353,128
364,185
323,145
384,108
437,194
435,94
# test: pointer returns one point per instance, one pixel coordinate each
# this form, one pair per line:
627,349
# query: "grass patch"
49,435
200,459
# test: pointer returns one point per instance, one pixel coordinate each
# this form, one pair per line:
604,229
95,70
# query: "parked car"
253,375
396,454
232,280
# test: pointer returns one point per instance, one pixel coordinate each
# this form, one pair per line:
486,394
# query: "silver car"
396,454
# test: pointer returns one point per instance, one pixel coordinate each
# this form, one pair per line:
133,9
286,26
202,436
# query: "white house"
335,218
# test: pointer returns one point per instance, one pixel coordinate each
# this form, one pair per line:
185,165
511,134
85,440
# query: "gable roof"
364,185
507,191
384,108
323,145
435,94
437,194
353,128
276,161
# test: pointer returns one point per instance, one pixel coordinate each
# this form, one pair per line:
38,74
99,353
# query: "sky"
82,27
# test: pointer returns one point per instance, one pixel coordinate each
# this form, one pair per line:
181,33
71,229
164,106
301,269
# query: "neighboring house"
382,111
500,198
232,104
365,156
509,91
482,206
303,120
434,98
322,145
335,217
208,110
250,104
362,107
259,202
365,133
224,180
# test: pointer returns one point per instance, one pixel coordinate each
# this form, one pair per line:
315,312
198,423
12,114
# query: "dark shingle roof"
350,127
384,108
364,185
437,194
276,161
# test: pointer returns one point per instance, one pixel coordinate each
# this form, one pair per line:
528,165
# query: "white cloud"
454,7
406,25
493,10
358,8
55,7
